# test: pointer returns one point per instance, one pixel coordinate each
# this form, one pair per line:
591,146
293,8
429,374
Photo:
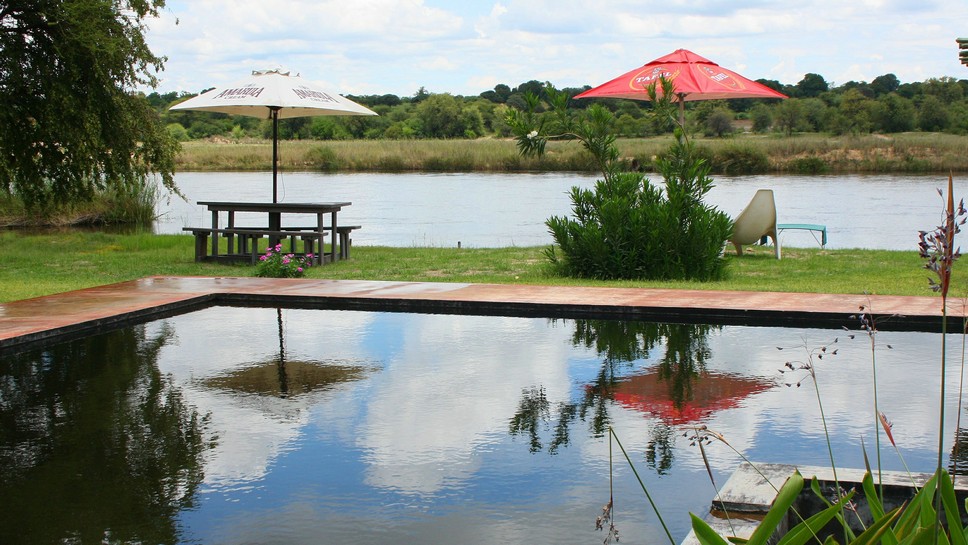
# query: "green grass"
45,264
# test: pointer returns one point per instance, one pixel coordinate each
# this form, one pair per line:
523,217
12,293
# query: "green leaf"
873,500
704,533
877,510
918,513
879,529
922,536
815,487
951,511
807,530
781,505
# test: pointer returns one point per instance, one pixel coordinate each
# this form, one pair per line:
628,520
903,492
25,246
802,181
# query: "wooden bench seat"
343,231
201,241
248,237
248,241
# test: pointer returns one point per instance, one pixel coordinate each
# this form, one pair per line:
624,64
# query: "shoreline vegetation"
914,152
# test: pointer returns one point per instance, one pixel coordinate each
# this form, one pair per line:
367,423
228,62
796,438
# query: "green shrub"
450,163
741,160
629,228
323,158
176,131
808,165
392,163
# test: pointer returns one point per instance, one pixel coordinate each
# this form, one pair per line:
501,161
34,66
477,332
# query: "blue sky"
465,47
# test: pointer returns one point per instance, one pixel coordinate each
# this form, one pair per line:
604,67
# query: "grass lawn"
53,263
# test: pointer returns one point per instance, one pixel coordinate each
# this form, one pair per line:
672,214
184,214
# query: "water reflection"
96,445
281,377
675,388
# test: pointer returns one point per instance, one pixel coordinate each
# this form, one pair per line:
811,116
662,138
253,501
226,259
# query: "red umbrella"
710,392
693,78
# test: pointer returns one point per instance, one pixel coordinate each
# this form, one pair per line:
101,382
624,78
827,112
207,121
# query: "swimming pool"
265,425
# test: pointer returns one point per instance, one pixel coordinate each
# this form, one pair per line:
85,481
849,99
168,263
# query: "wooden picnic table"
276,230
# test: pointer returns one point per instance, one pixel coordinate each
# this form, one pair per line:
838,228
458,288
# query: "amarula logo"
644,78
241,92
303,92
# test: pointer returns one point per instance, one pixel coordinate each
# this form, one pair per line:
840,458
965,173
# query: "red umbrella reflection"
707,393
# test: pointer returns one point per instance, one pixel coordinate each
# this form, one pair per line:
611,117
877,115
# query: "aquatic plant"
934,514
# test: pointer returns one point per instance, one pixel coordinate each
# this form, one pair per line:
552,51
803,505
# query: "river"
499,210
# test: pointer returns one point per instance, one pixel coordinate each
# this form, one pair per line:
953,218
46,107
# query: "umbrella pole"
682,110
275,152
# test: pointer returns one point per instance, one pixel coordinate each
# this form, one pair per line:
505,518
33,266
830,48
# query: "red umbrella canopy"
693,77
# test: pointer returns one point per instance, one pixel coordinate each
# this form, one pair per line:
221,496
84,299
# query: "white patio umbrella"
274,95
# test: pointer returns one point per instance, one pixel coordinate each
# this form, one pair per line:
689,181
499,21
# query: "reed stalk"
901,153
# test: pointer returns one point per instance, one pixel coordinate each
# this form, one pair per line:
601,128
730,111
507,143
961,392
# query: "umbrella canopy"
693,78
274,95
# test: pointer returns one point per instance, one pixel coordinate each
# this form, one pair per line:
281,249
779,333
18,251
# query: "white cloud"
396,46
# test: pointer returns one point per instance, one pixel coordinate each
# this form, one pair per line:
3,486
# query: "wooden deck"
84,311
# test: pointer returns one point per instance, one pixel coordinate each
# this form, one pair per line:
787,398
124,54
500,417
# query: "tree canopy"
72,122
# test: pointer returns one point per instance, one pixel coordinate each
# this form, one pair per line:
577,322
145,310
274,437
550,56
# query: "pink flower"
278,247
263,258
299,269
285,261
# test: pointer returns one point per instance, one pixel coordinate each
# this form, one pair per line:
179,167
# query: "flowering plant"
275,264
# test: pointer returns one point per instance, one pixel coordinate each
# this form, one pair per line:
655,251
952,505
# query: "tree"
440,116
762,119
932,115
882,85
719,123
72,123
946,89
853,115
896,113
814,113
789,116
811,85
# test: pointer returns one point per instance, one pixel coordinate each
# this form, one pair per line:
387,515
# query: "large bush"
627,227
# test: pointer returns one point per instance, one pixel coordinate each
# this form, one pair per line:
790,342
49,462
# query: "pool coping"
80,312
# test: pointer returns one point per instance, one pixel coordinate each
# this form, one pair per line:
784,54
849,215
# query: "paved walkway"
83,311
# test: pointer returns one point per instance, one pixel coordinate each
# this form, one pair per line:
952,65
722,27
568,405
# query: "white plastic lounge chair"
756,221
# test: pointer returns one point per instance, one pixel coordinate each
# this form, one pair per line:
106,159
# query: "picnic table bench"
242,241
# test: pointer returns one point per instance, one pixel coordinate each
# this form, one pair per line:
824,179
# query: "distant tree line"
884,105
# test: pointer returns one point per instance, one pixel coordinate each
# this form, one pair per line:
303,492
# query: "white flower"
532,135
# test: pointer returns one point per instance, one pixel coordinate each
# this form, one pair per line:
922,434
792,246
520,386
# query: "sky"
466,47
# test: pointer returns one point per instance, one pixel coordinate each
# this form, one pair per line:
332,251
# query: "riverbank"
72,260
741,154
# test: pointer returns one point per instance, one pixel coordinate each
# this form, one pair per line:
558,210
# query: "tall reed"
907,152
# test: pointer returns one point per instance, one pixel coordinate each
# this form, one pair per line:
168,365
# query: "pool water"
260,425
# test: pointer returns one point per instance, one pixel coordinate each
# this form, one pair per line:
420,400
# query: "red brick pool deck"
93,309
